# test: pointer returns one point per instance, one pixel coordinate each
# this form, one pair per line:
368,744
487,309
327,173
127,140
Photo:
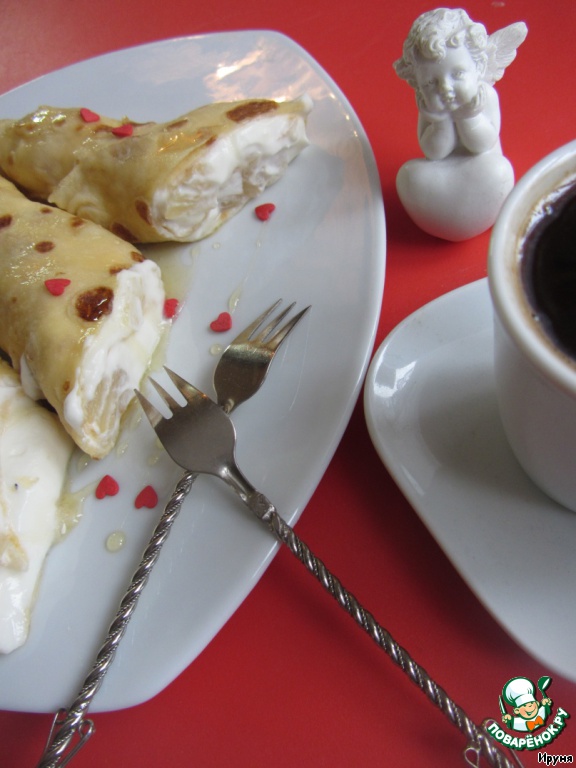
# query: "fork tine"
274,342
154,416
166,396
272,325
187,390
253,327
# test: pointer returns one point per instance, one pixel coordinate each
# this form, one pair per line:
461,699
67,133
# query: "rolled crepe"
179,180
34,454
81,313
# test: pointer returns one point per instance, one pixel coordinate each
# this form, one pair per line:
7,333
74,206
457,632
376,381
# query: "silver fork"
200,437
239,374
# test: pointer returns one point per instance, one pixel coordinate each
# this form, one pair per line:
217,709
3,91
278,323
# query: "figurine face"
450,83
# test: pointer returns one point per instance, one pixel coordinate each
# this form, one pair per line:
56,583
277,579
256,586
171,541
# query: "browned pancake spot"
143,210
92,304
121,231
5,220
44,246
251,109
136,256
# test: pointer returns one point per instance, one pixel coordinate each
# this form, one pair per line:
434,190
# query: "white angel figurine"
457,191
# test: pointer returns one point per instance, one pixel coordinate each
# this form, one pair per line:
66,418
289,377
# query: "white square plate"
324,246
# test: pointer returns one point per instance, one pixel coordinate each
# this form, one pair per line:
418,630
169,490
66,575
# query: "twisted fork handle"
477,739
70,723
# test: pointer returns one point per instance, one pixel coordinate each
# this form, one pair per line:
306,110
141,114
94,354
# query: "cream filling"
34,453
115,358
235,169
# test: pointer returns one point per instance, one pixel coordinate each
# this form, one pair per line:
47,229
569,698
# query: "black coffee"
548,269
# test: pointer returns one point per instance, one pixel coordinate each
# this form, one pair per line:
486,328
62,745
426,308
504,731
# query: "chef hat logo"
519,691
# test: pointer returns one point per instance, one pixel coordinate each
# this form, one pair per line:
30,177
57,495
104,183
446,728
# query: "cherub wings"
501,49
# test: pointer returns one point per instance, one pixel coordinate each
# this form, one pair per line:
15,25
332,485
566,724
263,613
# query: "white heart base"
458,197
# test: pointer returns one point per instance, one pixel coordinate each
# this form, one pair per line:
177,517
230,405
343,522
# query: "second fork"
201,437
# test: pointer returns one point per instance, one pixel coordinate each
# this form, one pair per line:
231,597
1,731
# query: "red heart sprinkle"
264,211
126,129
222,323
170,308
88,116
56,285
107,487
146,498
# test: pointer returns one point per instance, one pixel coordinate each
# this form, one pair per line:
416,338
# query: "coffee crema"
548,270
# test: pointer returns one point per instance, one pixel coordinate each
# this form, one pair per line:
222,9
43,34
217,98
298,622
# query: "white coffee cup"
535,381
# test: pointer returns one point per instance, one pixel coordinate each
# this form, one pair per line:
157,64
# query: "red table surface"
290,680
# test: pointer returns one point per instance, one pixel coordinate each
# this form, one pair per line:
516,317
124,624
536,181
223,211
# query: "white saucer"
432,415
